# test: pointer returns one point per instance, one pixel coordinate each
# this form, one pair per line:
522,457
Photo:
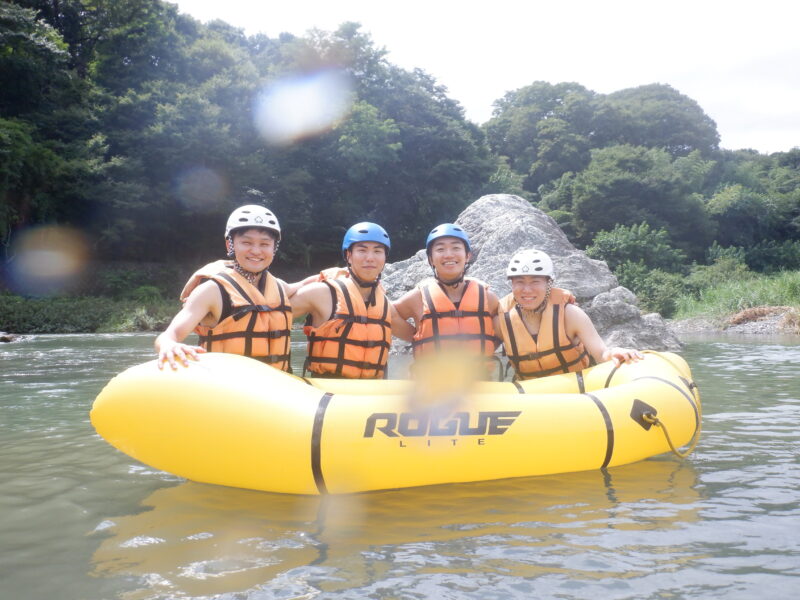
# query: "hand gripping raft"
233,421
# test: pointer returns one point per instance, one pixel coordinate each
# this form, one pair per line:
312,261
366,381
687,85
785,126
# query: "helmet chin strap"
249,275
453,283
543,305
371,301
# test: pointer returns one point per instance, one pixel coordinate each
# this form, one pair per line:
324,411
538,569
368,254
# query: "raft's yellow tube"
233,421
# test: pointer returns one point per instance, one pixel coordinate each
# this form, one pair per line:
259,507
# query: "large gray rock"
501,224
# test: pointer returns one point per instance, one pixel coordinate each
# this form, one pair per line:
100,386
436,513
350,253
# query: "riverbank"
761,320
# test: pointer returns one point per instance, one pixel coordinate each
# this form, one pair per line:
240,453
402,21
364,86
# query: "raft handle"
654,420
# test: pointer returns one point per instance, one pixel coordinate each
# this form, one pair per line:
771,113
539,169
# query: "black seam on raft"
610,375
316,443
609,430
581,383
520,389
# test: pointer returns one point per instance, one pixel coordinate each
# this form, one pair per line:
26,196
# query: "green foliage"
505,181
629,185
743,217
726,296
657,116
655,289
637,244
726,266
134,123
770,256
543,129
82,315
146,294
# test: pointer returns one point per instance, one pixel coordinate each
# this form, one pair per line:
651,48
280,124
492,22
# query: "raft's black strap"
610,375
316,443
520,389
581,382
609,430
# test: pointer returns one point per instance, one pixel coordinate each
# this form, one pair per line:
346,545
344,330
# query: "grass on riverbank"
730,296
87,314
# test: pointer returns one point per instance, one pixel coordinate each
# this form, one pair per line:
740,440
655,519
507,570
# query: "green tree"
637,243
743,217
629,185
657,116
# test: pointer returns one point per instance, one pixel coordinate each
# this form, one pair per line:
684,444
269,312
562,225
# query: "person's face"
254,249
529,290
367,259
449,257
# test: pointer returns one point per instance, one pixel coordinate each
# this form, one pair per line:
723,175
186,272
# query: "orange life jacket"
260,320
552,351
466,327
354,343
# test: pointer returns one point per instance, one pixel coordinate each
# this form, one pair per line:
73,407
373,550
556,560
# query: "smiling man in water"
452,312
236,306
351,321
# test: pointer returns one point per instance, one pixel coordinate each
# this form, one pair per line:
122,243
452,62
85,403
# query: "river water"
80,520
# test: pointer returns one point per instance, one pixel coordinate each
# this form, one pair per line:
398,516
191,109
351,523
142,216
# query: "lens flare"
48,260
442,381
297,107
201,189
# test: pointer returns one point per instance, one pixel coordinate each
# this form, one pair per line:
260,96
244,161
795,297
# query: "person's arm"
313,299
400,327
409,306
580,326
292,288
493,304
203,301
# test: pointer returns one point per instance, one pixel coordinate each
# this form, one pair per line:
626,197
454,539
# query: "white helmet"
253,215
530,262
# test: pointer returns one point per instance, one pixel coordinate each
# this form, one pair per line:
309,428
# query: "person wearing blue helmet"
350,320
450,310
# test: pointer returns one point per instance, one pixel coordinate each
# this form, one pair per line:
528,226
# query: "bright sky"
740,60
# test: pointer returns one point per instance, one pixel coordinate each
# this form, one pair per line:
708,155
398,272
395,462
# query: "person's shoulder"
575,311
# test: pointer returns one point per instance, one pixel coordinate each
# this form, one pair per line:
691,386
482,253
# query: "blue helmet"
365,232
446,230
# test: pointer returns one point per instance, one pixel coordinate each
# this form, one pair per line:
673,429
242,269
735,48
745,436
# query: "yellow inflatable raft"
234,421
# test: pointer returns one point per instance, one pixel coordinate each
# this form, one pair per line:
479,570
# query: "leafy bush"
730,294
771,256
726,267
768,256
655,289
146,294
637,244
82,315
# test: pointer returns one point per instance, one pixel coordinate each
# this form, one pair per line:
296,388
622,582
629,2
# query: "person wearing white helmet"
451,311
543,331
236,305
